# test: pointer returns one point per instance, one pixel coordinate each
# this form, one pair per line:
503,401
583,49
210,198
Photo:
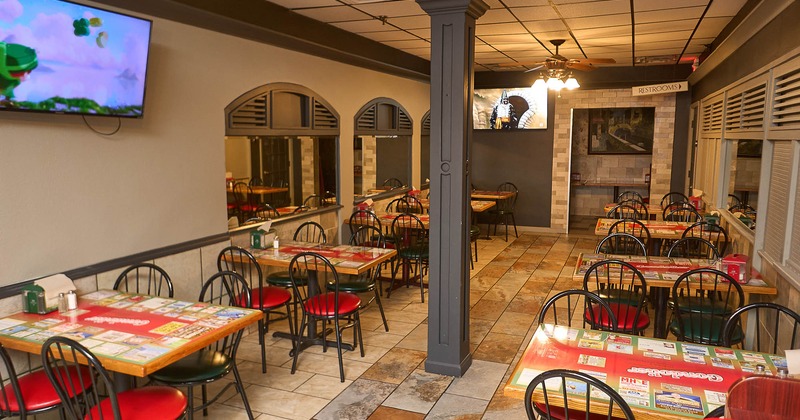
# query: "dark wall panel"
524,157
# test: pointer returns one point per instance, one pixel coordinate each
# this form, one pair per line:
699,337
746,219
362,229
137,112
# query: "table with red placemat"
661,273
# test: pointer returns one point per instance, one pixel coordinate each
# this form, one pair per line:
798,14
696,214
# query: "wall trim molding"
101,267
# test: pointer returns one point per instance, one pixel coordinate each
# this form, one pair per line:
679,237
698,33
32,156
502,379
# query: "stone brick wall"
309,166
598,168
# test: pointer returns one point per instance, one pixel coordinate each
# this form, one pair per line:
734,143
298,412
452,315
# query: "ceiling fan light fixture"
554,83
539,84
571,83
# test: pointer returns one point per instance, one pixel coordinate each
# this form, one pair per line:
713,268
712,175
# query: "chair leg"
380,308
240,388
357,327
298,342
262,330
190,403
338,334
204,391
514,221
421,283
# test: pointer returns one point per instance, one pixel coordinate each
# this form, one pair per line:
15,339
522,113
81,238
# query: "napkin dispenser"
735,265
41,296
263,237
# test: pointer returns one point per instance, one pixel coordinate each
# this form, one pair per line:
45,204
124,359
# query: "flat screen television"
62,57
509,109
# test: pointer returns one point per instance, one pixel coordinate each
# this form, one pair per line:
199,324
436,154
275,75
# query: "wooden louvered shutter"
778,201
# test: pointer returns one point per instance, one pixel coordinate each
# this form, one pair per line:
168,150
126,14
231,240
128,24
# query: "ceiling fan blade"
593,60
581,66
534,68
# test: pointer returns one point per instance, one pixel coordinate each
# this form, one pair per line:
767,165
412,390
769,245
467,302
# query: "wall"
587,200
73,198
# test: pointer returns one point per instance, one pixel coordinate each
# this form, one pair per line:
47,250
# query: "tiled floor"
508,285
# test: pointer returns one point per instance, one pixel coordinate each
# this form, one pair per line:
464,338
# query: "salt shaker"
72,300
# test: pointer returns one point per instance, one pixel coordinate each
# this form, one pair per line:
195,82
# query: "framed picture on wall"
615,131
509,109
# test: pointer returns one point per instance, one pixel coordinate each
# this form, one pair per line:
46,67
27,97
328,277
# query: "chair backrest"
693,247
409,232
712,232
673,197
703,298
640,207
553,386
255,182
624,211
628,285
78,393
682,213
629,195
364,218
241,261
776,328
733,200
508,204
621,244
393,183
243,193
305,268
413,205
746,209
313,200
227,288
145,279
266,211
633,227
565,306
368,236
310,232
300,209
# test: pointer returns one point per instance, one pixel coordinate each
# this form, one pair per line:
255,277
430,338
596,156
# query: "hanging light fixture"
556,79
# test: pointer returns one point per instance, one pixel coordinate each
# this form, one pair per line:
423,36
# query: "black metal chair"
693,247
393,183
596,312
624,211
702,300
635,228
733,200
624,288
474,234
711,232
306,232
266,211
776,328
267,299
216,361
369,281
313,201
29,392
621,243
569,406
245,202
334,308
629,195
640,207
88,392
717,413
411,241
505,208
145,279
682,212
673,197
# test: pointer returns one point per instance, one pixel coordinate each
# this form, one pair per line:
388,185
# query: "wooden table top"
129,333
263,189
491,195
347,259
478,206
658,229
663,271
660,379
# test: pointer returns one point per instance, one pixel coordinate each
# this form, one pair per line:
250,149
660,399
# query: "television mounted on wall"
509,109
62,57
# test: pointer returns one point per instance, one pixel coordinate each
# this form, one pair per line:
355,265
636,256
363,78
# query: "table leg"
660,295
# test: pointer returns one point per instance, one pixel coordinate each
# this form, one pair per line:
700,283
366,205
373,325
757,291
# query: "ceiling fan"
558,62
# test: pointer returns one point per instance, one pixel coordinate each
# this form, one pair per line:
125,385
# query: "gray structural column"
452,60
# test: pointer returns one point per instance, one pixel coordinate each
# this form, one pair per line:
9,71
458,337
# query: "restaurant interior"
316,110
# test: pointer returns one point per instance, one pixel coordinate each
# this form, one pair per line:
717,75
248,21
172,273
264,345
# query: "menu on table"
133,328
340,256
652,268
660,375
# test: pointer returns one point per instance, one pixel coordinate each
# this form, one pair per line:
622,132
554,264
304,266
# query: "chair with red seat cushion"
560,310
311,274
263,297
30,393
216,361
82,396
623,286
551,388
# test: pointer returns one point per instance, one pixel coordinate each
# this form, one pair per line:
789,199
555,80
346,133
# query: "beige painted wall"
72,198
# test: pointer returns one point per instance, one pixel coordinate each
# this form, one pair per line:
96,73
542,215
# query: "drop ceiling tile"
412,22
507,39
711,27
521,46
497,16
622,30
682,36
388,36
299,4
500,29
494,4
725,8
595,8
358,26
333,14
659,27
422,33
643,5
488,56
669,15
644,46
483,47
612,40
392,8
599,22
523,3
412,43
534,13
545,25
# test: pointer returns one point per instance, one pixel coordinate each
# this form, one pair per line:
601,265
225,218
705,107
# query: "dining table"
658,229
660,274
130,334
654,211
346,259
659,379
491,195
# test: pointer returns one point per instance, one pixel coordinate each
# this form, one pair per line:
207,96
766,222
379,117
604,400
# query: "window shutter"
778,201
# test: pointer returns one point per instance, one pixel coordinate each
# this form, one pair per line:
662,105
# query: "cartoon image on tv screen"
63,57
